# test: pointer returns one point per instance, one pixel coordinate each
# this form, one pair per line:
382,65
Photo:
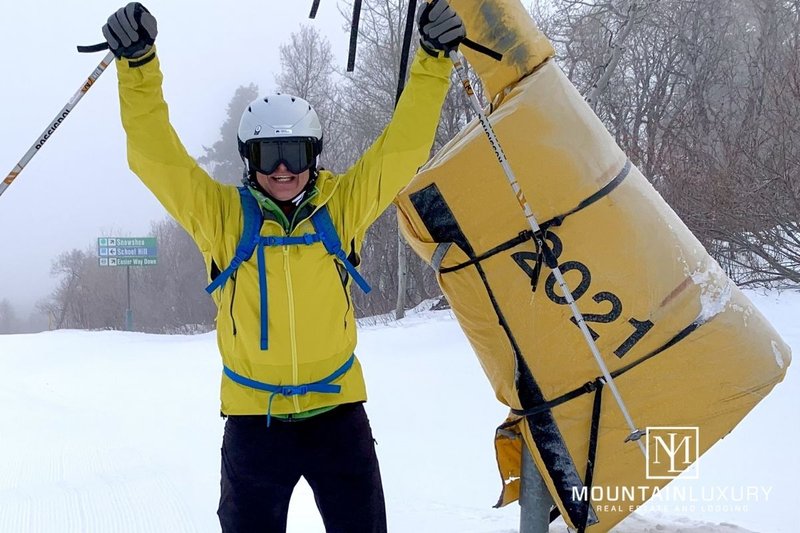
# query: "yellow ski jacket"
312,330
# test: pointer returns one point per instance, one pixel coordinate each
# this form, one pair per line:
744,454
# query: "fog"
78,187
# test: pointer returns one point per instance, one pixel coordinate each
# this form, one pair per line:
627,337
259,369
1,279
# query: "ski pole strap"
92,48
99,47
323,386
485,50
546,253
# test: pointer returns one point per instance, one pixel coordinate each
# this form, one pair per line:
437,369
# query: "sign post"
534,498
128,310
127,252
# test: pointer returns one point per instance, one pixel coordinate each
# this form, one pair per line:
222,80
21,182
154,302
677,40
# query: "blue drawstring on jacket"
324,386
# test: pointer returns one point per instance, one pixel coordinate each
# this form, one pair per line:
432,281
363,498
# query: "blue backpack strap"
306,238
247,242
327,233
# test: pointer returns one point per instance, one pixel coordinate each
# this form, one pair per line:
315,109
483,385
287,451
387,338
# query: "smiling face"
282,184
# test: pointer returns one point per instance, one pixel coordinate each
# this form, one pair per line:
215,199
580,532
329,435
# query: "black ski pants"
334,451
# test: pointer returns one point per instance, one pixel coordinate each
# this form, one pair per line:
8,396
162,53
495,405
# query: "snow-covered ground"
118,432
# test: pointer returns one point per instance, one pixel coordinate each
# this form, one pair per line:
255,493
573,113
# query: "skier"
292,389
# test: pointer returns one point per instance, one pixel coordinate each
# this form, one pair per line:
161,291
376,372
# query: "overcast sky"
78,187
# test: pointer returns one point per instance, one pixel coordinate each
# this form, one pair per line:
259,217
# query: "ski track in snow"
94,490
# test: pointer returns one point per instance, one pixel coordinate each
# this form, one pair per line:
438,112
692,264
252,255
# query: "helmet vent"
250,108
293,98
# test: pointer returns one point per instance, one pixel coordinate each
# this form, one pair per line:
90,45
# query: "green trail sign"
128,261
127,251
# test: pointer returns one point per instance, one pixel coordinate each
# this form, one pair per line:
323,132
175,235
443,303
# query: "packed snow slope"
119,432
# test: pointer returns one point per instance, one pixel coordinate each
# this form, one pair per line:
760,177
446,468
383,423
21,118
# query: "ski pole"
459,62
56,122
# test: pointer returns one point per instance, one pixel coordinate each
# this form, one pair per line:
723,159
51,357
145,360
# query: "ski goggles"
267,155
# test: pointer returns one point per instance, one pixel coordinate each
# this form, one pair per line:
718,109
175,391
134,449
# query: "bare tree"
9,323
702,100
758,233
170,296
222,159
308,70
63,304
166,298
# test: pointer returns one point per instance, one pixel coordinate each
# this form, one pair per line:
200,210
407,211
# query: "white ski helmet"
279,116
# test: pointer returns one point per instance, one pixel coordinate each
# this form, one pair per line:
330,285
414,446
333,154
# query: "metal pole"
51,128
459,62
534,498
129,311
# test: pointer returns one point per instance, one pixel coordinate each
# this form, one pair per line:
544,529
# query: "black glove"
131,31
440,29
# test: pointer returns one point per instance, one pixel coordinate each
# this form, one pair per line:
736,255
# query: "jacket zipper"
233,297
292,325
344,277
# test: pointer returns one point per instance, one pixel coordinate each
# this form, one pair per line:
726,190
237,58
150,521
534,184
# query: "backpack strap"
330,238
248,241
323,386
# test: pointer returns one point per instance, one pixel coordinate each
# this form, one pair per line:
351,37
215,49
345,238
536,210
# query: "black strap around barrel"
594,431
591,456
